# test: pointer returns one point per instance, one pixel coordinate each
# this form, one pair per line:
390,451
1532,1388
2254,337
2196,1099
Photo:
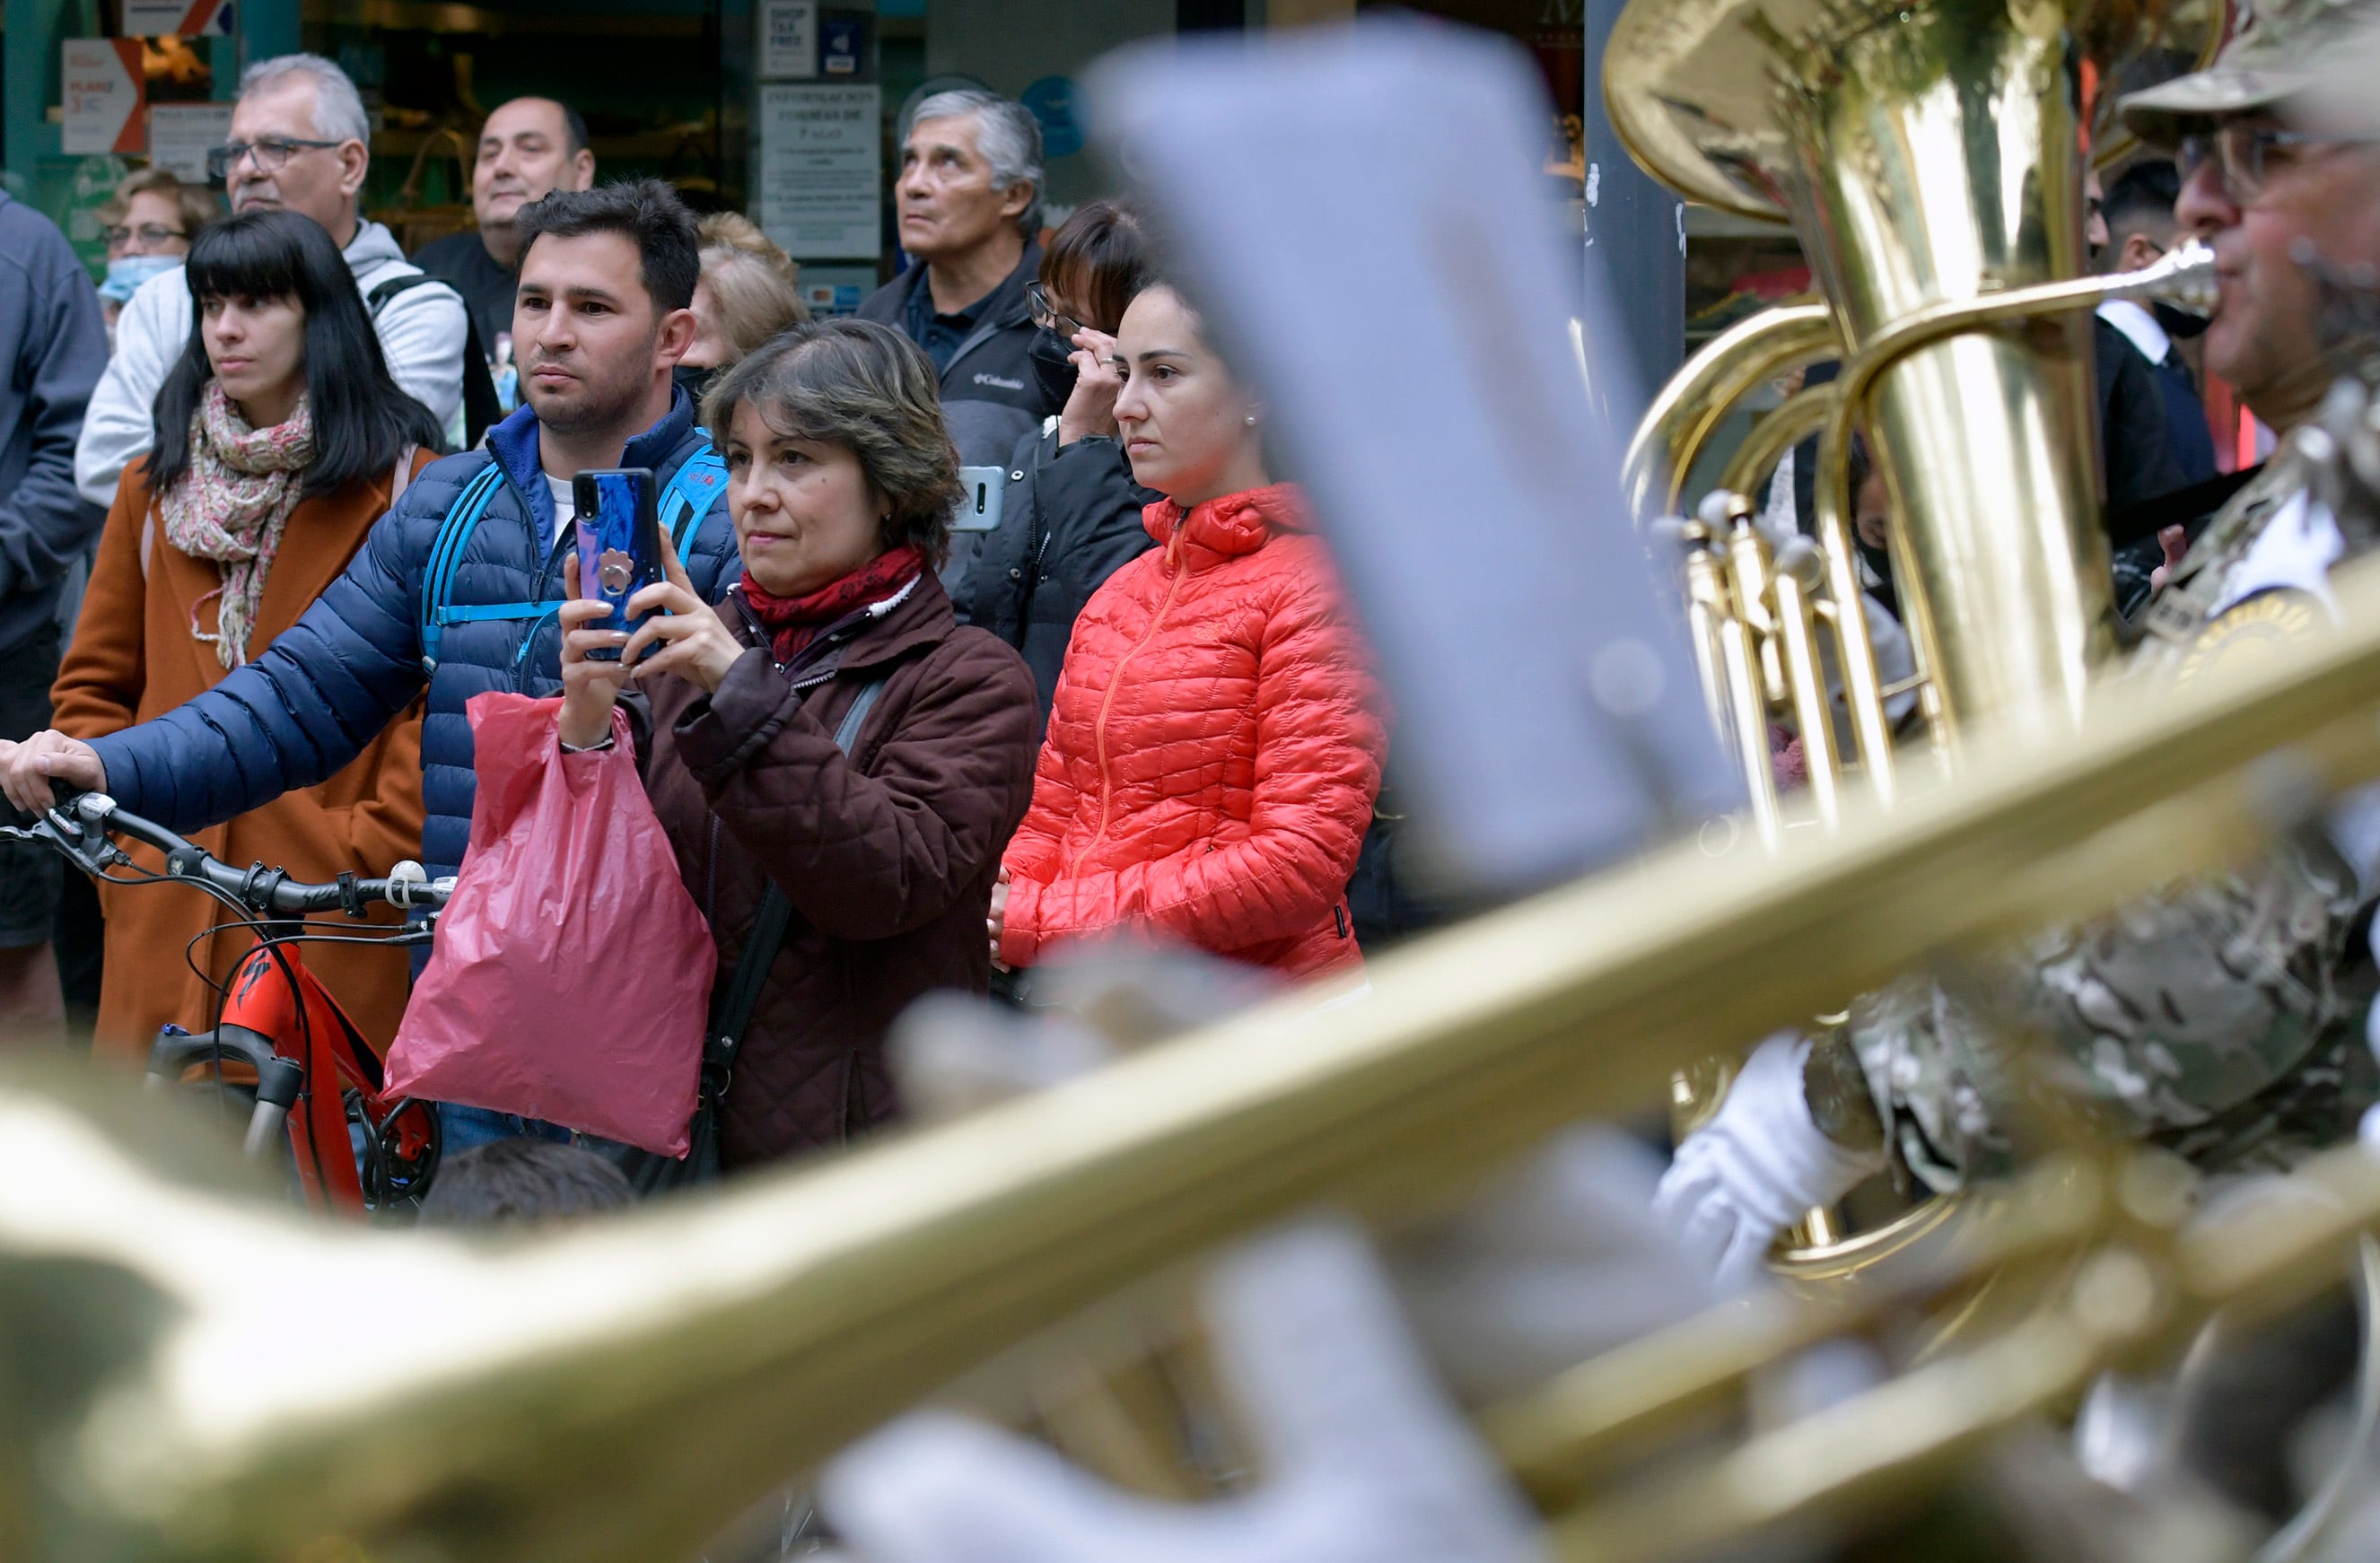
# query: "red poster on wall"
104,92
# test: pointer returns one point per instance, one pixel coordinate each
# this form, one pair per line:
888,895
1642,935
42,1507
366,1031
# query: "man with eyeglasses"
2224,1017
299,139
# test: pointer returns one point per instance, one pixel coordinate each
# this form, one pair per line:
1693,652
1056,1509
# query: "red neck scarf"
793,621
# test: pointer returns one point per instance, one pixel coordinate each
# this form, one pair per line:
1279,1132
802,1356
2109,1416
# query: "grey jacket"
55,344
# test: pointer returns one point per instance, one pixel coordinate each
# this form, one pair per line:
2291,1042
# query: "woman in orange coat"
1215,745
280,440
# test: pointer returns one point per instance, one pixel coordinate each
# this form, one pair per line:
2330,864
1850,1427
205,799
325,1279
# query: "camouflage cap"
2287,49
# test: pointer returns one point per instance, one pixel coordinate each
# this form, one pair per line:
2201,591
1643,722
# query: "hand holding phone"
619,544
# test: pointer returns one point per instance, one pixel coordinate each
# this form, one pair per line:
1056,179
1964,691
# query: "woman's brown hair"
1098,260
751,281
867,388
194,205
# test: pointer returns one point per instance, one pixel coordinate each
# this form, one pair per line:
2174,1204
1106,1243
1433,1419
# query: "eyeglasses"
1046,315
2245,154
272,154
147,233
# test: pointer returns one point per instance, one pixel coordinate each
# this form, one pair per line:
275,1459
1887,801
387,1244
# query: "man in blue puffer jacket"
603,314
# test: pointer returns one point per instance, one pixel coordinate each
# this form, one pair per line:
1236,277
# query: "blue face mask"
126,275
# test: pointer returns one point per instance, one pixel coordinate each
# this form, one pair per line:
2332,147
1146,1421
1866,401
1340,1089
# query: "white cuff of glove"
1756,1166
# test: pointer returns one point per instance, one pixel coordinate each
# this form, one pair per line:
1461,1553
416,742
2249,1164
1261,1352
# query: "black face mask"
1053,368
695,382
2179,324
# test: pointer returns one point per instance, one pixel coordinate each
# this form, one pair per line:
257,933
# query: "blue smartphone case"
619,542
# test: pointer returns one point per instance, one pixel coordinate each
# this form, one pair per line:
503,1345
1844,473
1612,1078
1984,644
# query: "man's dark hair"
523,1181
363,422
574,129
647,211
2142,202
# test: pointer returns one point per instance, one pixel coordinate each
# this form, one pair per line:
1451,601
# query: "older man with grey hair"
299,139
969,202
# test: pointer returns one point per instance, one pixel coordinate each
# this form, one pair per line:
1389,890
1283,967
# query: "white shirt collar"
2135,320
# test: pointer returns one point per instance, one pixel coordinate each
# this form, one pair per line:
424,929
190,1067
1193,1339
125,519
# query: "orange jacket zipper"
1099,727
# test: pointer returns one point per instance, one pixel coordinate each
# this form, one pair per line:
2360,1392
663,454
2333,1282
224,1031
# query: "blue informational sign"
841,40
1056,102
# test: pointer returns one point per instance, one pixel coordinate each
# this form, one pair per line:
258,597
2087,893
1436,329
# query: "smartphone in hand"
619,543
980,506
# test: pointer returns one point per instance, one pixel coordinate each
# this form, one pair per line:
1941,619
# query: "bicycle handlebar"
78,825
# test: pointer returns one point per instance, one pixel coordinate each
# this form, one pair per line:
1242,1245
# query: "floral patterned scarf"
232,506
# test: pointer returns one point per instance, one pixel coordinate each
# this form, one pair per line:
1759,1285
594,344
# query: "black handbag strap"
742,994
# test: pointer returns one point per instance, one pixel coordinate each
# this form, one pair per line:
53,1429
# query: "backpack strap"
481,409
684,503
733,1014
687,499
446,553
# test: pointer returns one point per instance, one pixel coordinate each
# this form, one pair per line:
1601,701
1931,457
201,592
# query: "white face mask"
127,273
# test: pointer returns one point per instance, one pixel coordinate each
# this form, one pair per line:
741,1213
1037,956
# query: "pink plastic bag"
572,975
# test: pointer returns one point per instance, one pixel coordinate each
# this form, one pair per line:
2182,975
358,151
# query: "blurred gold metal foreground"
185,1375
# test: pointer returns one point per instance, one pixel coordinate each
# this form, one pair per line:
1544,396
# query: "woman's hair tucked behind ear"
363,422
865,387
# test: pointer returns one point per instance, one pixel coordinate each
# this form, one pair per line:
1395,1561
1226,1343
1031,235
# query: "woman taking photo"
1214,751
280,439
1071,515
840,482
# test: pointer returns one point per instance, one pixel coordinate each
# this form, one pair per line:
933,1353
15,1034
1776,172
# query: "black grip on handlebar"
139,829
81,823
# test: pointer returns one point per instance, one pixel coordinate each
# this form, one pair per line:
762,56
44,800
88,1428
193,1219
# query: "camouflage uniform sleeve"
2180,1016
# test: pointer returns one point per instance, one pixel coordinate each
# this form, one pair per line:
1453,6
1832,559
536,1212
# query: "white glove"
1365,1461
1757,1166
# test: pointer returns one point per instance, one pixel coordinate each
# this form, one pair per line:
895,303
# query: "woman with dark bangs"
280,440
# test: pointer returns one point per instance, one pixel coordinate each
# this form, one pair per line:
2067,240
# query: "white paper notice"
788,35
180,136
821,171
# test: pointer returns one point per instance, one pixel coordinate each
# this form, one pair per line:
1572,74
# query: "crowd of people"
1138,705
280,503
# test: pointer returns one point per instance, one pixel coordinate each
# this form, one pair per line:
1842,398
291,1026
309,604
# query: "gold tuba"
1929,159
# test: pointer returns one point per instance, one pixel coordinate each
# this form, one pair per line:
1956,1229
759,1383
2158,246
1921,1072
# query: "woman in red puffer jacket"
1215,746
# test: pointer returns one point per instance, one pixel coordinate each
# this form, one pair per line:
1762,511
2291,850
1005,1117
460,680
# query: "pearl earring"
1252,420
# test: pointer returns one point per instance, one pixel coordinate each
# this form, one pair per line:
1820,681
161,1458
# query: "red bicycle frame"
274,998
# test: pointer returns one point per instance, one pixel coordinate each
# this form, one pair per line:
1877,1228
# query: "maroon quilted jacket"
888,857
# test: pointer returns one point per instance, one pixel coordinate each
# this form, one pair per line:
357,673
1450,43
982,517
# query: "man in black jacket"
528,148
969,202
